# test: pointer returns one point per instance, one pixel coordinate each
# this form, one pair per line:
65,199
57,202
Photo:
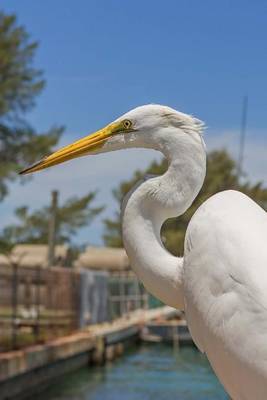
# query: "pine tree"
221,175
32,227
20,83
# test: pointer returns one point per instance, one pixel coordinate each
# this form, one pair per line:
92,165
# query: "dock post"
175,337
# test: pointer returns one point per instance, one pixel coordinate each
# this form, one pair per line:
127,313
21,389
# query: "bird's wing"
225,275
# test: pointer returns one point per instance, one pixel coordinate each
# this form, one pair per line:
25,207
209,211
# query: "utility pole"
52,228
243,129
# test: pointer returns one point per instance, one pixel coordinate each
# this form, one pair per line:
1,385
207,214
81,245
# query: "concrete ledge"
32,382
32,368
19,362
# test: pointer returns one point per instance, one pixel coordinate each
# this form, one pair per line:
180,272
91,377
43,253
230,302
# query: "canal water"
151,372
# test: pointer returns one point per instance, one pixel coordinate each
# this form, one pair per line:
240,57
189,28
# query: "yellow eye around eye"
127,124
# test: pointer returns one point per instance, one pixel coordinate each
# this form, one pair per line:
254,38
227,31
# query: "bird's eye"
127,124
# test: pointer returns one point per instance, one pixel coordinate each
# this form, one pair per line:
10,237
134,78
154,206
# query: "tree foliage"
221,175
20,83
32,227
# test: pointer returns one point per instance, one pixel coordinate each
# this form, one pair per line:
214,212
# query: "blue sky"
102,58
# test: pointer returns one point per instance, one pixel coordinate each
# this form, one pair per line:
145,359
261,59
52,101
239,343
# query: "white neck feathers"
153,201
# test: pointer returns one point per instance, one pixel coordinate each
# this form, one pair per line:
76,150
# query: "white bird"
221,282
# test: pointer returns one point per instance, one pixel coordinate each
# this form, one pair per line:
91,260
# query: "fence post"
14,305
52,229
122,294
138,300
37,303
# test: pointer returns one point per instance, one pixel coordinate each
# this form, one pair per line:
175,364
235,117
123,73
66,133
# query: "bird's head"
145,126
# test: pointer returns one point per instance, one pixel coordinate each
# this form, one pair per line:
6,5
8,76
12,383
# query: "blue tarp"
94,297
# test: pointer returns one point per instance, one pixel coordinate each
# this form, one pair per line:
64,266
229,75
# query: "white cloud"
78,177
106,171
255,153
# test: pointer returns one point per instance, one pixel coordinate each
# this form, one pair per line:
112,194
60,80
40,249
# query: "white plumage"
221,282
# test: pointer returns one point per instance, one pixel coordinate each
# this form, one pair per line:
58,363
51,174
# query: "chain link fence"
38,304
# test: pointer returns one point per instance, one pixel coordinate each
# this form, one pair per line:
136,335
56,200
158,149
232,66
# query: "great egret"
221,282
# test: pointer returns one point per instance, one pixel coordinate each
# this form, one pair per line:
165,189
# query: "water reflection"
147,373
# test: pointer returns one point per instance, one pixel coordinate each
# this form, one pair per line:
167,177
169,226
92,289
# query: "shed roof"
33,255
104,258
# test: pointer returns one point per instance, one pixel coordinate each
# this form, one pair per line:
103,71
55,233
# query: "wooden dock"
173,331
27,371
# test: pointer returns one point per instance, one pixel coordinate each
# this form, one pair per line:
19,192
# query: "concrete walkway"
31,369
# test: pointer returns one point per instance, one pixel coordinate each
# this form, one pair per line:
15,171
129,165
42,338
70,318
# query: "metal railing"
126,294
38,304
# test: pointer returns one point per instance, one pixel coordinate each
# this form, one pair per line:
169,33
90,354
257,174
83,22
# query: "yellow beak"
79,148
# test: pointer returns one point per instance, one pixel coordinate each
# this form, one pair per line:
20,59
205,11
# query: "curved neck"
153,201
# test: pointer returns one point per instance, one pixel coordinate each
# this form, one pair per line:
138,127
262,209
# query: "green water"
154,372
